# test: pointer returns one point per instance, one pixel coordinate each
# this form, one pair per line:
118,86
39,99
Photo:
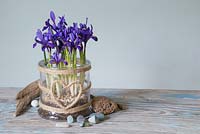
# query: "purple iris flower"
57,58
49,25
62,23
86,32
44,40
61,37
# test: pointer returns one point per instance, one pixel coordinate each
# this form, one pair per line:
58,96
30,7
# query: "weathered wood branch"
25,96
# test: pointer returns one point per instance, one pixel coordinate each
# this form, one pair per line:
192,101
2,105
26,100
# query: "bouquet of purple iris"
62,42
64,72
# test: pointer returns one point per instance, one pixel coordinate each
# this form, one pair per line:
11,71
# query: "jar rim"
68,70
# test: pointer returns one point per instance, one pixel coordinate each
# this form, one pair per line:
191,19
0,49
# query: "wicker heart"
66,89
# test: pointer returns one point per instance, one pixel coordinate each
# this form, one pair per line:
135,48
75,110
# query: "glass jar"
64,91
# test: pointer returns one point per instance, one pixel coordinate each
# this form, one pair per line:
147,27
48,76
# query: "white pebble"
70,119
80,119
93,120
34,103
62,124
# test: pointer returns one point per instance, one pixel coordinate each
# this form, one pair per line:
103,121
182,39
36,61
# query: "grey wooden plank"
148,112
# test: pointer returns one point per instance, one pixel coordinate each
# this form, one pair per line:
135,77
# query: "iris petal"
34,45
44,28
94,38
39,34
52,16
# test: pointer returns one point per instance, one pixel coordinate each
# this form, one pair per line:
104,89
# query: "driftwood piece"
23,103
27,90
25,96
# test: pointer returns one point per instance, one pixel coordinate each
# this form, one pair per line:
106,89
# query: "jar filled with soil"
64,90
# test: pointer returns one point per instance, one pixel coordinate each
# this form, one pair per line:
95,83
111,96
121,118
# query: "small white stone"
34,103
62,124
93,120
70,119
80,119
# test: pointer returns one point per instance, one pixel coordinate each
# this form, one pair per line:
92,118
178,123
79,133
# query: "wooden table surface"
149,112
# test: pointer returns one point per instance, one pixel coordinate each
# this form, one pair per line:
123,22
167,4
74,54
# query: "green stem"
45,58
82,62
67,57
49,58
74,64
81,57
74,77
84,54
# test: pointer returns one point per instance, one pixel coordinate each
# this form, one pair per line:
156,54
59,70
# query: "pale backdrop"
142,43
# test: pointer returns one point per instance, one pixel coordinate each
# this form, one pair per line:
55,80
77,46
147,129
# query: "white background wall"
142,43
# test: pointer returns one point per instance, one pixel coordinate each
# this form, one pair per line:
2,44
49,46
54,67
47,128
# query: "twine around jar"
61,109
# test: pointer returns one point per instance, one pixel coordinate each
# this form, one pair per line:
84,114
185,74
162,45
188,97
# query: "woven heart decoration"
69,97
